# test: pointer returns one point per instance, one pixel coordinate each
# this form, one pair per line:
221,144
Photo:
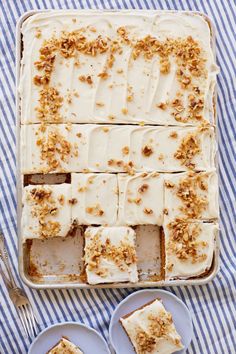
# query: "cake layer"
110,255
150,329
140,199
46,211
191,196
189,248
114,148
117,67
94,198
65,347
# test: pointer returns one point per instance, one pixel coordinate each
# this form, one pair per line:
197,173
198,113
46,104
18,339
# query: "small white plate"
179,311
89,340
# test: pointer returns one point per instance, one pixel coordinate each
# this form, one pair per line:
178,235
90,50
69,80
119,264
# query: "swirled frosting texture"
107,67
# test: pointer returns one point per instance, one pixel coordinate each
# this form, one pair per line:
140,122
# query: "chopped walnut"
103,75
147,150
148,211
73,201
162,105
173,135
169,184
38,33
144,187
99,104
87,79
95,210
165,211
125,150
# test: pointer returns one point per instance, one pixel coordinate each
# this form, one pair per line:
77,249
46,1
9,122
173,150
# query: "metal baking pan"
64,273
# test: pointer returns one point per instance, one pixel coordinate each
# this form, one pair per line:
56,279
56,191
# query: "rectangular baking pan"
69,280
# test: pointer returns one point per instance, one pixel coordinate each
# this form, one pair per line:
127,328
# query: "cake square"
46,211
108,67
110,255
95,199
140,199
151,329
65,346
172,149
192,196
189,248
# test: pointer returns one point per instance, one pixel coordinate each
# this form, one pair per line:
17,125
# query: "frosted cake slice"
46,211
65,346
189,248
102,148
110,255
151,329
106,67
140,199
192,196
95,198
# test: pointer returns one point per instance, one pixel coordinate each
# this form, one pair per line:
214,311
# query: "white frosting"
65,346
137,207
100,148
173,203
96,198
149,86
116,236
139,320
30,222
183,269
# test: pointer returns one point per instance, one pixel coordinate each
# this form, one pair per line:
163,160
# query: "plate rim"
149,291
60,324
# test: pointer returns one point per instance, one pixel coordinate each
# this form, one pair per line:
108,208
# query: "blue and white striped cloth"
212,306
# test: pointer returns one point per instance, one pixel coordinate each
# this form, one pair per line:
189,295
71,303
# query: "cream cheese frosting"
103,148
124,102
65,346
95,198
189,248
152,330
191,196
140,199
46,211
110,255
117,67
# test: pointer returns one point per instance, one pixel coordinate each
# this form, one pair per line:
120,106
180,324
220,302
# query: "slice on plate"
151,330
64,346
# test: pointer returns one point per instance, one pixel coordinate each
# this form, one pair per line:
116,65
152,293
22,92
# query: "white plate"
180,314
89,340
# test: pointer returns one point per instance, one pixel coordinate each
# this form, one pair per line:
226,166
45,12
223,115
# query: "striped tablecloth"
212,306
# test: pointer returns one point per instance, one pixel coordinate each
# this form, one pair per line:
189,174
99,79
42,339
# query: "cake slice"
140,199
64,346
46,211
95,199
110,255
191,195
189,248
151,330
